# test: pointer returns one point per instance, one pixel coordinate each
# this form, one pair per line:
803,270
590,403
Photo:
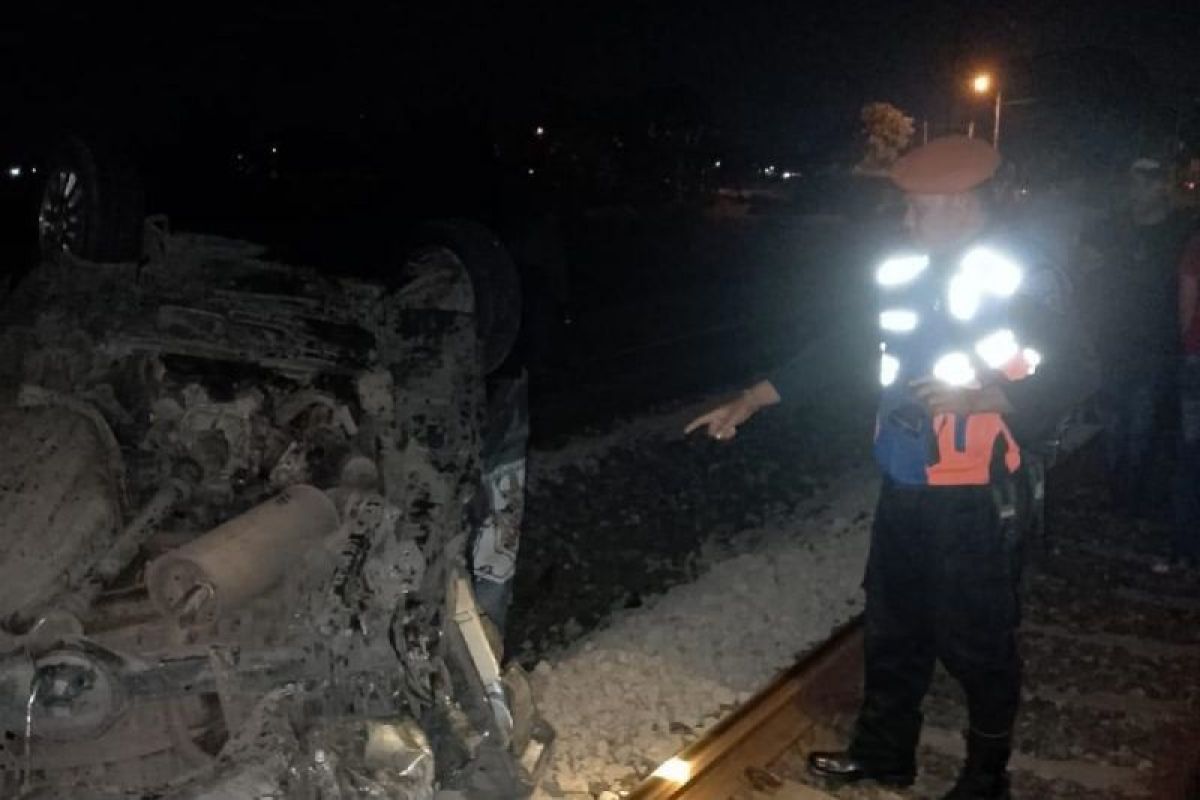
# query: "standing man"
1138,331
1185,545
977,357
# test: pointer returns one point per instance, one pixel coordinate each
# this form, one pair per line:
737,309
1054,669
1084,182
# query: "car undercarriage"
235,499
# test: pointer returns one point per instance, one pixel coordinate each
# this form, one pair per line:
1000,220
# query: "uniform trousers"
941,585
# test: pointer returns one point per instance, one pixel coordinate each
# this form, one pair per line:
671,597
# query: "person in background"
501,499
1185,544
978,357
1053,215
1137,332
533,232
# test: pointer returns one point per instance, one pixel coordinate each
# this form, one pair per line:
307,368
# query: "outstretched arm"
723,421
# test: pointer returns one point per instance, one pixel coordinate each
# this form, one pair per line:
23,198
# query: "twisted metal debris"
234,507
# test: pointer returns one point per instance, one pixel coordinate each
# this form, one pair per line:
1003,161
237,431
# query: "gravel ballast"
626,697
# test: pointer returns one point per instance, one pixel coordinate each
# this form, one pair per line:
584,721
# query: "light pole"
982,84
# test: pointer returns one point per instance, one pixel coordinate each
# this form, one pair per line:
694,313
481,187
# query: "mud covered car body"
234,506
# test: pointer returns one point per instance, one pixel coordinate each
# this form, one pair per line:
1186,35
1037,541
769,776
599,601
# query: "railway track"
798,703
1111,707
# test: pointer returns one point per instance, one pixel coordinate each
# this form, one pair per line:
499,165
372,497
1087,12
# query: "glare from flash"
995,274
898,320
997,349
674,769
1032,359
900,270
954,369
964,296
983,272
889,369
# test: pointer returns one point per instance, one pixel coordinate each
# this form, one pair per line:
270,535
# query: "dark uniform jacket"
992,311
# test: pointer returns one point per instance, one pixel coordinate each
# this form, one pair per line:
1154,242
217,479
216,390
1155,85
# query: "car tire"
91,204
494,278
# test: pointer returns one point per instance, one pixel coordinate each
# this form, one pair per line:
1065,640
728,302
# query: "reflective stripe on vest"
956,328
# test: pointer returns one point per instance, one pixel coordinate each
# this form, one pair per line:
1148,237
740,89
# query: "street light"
982,84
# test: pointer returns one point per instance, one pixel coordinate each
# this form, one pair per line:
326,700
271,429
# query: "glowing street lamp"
981,84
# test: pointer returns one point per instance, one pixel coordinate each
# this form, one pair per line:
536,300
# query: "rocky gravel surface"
629,696
1115,668
616,517
663,579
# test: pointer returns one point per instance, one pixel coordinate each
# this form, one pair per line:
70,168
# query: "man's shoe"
985,774
842,767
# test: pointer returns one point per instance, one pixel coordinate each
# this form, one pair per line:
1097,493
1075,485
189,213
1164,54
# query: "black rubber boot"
985,775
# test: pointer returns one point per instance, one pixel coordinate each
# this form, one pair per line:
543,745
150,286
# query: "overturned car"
236,502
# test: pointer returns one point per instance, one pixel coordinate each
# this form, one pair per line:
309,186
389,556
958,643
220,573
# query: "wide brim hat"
946,165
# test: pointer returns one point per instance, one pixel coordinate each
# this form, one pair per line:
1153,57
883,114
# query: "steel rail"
798,702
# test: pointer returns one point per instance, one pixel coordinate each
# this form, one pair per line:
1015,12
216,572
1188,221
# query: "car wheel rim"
61,223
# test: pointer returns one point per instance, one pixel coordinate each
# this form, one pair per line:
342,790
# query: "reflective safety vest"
949,318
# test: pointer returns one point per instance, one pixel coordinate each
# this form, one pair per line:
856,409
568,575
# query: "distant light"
531,170
769,171
982,83
787,176
14,172
33,170
717,163
274,150
674,769
240,157
539,131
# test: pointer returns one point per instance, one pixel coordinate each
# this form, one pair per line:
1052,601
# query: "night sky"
774,72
